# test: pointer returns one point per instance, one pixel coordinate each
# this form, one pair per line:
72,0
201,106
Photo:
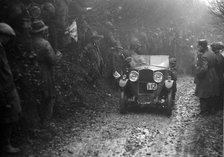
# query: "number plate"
151,86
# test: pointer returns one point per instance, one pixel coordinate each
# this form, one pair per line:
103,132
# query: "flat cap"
5,29
203,43
217,46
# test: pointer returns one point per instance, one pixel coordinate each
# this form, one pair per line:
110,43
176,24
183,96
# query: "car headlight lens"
158,77
133,76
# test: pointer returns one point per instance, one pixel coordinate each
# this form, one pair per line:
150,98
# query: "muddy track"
142,132
99,130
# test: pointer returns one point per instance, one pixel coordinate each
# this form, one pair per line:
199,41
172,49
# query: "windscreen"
155,60
159,60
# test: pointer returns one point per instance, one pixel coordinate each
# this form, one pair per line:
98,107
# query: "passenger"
9,98
135,47
207,84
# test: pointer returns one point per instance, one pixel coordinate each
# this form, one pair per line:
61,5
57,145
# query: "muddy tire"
169,101
123,102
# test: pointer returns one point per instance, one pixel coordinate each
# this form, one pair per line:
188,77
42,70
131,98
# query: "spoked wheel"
169,101
123,102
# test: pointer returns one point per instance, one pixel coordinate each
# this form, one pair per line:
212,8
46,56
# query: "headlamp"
133,76
158,77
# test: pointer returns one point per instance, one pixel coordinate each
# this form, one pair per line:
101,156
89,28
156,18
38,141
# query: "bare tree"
217,10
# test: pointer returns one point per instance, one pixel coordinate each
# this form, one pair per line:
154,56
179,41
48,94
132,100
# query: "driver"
135,49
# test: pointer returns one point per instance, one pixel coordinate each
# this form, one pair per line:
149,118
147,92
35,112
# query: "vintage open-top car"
148,80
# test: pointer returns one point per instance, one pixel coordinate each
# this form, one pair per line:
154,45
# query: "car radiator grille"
145,76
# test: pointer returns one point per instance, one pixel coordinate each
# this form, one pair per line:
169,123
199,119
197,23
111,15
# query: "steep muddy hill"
97,129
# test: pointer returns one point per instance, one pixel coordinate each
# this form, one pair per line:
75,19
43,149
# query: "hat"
5,29
135,43
203,43
217,46
173,61
119,47
34,10
109,25
38,26
48,7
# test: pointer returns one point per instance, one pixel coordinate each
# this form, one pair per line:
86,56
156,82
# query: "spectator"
61,13
207,84
108,46
49,18
93,60
218,48
9,98
34,11
118,59
119,64
46,59
173,68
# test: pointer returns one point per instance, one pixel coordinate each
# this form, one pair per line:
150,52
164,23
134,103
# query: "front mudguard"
123,83
169,83
169,87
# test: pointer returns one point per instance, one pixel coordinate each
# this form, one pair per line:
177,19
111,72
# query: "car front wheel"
123,101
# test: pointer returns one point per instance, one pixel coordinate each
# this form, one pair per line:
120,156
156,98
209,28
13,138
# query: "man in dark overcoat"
207,85
9,98
218,49
46,60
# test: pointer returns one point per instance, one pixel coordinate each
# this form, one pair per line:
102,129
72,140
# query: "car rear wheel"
169,101
123,102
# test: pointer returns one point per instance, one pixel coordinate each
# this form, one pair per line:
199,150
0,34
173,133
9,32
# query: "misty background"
162,26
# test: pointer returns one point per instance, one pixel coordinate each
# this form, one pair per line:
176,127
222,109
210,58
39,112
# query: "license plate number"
151,86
